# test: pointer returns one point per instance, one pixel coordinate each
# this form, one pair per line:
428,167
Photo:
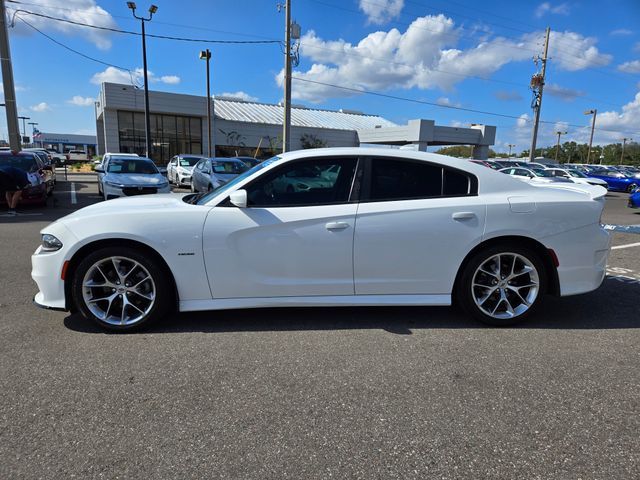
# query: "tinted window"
309,182
23,162
455,183
230,167
398,179
188,161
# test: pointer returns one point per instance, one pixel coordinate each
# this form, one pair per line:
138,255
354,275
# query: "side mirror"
239,198
99,169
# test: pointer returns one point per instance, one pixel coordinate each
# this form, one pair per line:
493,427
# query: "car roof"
20,153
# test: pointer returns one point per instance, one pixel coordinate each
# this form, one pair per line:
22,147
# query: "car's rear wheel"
502,285
632,188
121,289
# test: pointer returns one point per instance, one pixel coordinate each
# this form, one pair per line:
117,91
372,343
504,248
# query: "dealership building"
239,127
63,142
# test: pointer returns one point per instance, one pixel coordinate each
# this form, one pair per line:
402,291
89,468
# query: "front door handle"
337,225
463,215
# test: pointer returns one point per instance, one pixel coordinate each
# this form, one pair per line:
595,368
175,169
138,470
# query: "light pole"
558,144
147,120
624,142
24,125
292,31
206,55
510,145
593,112
33,132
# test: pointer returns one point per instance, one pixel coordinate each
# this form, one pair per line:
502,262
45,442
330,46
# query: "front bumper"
112,191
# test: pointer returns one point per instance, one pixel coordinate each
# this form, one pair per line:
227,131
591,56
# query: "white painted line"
74,200
626,246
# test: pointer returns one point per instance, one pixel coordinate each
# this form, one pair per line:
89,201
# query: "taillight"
554,258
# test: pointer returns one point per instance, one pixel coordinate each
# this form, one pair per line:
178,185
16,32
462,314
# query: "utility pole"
624,142
24,125
286,125
593,112
537,85
558,144
510,145
7,81
206,55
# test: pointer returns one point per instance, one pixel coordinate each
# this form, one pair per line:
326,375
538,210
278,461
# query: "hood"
135,179
185,169
137,203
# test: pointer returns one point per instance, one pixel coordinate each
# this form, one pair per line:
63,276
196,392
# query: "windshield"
542,173
189,161
26,163
577,173
229,167
122,165
231,184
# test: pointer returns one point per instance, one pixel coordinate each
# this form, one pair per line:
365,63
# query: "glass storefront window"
170,135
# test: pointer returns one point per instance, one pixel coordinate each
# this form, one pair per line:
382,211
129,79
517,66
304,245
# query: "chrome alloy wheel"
118,291
505,285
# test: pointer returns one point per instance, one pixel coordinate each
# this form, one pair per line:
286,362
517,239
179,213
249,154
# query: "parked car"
576,176
46,160
212,173
58,158
417,229
39,176
533,175
129,176
180,168
617,181
634,199
78,156
252,162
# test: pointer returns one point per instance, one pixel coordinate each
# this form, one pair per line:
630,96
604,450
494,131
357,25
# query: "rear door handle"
337,225
463,215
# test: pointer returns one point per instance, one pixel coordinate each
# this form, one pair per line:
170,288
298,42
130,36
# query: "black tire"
164,296
465,292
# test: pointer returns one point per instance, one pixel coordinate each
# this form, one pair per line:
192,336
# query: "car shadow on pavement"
613,306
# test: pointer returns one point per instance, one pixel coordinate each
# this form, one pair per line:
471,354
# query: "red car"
40,176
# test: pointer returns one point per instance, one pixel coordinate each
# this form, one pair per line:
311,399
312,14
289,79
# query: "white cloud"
626,121
115,75
445,101
425,57
621,31
81,101
40,107
564,93
381,11
82,11
240,95
170,79
546,7
630,67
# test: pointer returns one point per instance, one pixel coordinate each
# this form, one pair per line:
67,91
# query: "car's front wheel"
502,285
632,188
121,289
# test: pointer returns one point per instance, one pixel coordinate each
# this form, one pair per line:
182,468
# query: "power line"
452,107
164,37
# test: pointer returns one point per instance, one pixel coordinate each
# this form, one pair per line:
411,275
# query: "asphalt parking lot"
320,393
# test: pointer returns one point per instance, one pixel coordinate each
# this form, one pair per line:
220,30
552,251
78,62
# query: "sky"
456,62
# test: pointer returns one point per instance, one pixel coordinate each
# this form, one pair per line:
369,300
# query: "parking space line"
629,245
74,200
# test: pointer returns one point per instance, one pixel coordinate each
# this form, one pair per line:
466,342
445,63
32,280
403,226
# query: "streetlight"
33,132
24,125
206,55
624,142
147,121
593,112
558,144
510,145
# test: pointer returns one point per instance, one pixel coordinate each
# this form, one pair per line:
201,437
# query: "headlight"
112,184
50,243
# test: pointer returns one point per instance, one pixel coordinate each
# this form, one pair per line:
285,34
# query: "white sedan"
121,176
390,228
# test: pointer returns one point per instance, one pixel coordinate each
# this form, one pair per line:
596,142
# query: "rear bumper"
36,302
583,255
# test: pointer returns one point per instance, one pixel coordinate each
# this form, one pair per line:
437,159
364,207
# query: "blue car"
634,199
616,180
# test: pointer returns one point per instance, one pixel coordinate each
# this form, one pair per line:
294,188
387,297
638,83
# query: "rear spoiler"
595,192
